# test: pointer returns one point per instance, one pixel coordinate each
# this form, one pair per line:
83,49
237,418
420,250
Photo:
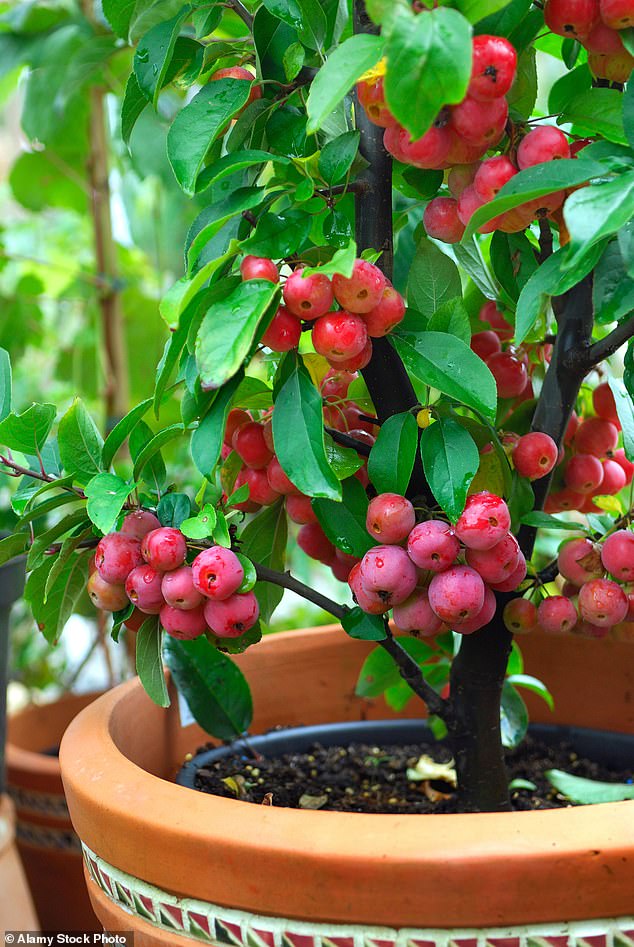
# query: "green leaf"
588,791
342,69
512,260
433,279
550,279
149,662
207,439
51,613
344,460
342,262
392,456
337,156
293,60
358,624
450,461
228,330
27,432
68,548
233,163
534,685
150,449
568,86
118,14
344,523
298,436
597,111
154,52
476,10
513,717
211,220
597,211
451,317
532,183
106,495
5,384
380,671
628,112
80,443
547,521
625,412
214,687
201,526
428,66
612,287
182,293
39,546
200,122
12,546
272,38
263,540
278,235
250,574
448,364
122,430
173,508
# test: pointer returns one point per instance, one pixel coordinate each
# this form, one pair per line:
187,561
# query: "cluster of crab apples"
597,595
145,564
596,24
369,307
435,576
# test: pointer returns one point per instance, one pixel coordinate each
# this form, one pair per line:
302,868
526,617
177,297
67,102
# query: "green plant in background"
420,433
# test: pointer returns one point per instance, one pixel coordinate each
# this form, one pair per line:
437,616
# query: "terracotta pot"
162,859
49,849
16,908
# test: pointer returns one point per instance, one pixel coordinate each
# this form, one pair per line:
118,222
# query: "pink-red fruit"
139,524
362,291
178,589
116,556
602,602
535,455
165,548
617,555
484,522
143,588
390,518
388,571
183,624
456,595
232,616
433,546
217,573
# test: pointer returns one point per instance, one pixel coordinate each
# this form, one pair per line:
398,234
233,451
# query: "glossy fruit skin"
617,555
371,96
307,297
514,580
557,614
615,68
249,444
260,489
371,602
232,616
535,455
181,624
617,14
492,175
491,314
278,479
493,67
179,591
545,143
356,362
456,595
389,571
626,465
387,315
433,546
283,332
510,374
596,436
579,561
614,477
571,18
335,383
480,123
441,220
416,614
363,290
339,336
314,542
300,509
108,596
484,616
429,151
217,573
603,602
604,404
236,418
143,588
139,523
484,522
165,549
520,616
497,563
259,267
485,344
584,473
116,556
390,518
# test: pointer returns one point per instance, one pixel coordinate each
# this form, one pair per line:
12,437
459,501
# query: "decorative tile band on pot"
44,803
45,836
212,924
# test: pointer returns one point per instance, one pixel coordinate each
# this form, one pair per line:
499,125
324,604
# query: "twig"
346,441
242,12
286,581
20,471
598,351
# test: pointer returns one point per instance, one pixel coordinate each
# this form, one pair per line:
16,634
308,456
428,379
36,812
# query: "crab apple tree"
400,347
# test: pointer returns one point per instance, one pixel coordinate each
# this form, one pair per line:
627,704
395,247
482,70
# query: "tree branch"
286,581
596,353
346,441
20,471
242,12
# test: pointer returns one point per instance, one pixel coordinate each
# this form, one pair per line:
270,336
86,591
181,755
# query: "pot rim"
108,793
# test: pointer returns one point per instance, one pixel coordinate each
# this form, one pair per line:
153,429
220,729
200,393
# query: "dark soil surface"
368,778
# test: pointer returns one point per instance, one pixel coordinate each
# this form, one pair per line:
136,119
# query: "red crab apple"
390,518
217,572
183,624
165,548
232,616
116,556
